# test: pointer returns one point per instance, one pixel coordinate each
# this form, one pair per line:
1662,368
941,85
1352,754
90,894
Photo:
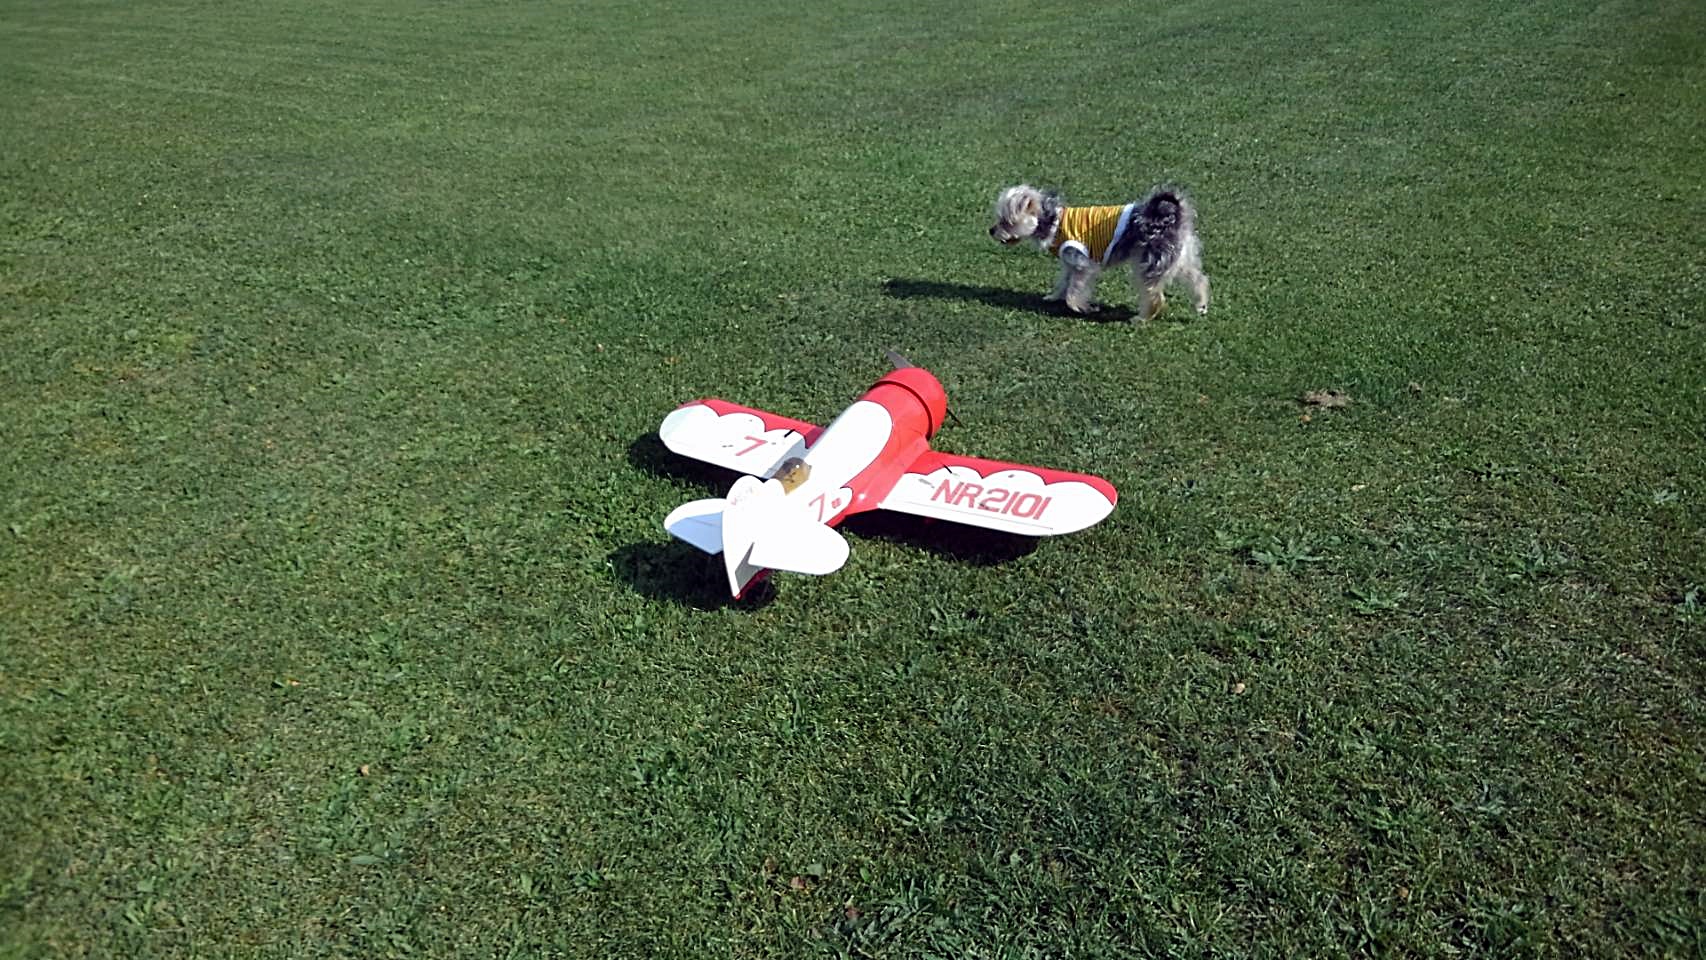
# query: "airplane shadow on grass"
997,297
671,570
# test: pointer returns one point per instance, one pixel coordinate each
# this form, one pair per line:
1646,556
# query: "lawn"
337,618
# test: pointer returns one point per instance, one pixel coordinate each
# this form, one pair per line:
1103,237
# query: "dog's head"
1018,213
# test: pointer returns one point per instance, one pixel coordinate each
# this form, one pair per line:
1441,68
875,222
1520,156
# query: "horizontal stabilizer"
801,546
699,523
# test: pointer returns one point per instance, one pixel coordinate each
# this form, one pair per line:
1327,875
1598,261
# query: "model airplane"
801,480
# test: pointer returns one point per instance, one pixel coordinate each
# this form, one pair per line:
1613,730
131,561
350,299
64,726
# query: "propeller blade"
901,363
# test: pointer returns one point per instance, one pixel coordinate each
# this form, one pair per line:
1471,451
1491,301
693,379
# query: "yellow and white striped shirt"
1093,228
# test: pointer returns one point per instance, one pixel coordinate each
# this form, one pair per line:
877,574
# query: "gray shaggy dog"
1156,235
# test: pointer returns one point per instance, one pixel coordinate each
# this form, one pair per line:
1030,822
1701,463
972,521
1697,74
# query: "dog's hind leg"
1151,295
1153,302
1190,271
1199,290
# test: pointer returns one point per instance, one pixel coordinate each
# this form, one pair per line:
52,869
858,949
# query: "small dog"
1157,236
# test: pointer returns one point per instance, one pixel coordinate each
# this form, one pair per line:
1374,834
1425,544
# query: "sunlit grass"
336,617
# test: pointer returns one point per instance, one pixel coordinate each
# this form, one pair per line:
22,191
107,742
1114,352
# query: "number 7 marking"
756,443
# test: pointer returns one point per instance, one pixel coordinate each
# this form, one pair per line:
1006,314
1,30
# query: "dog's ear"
1032,207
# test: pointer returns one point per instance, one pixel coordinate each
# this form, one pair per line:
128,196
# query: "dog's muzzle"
998,234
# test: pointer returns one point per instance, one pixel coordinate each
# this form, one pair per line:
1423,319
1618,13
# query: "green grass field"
337,619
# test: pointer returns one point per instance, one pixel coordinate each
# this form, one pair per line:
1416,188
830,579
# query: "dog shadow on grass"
998,297
674,571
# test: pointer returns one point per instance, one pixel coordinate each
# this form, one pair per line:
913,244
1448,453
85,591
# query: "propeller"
901,363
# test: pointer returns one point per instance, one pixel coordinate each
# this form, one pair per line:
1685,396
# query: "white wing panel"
750,441
1001,497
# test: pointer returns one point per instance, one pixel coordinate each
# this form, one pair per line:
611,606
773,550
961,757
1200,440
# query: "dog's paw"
1053,297
1084,309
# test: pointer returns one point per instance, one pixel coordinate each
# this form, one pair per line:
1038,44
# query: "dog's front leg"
1081,291
1060,285
1079,273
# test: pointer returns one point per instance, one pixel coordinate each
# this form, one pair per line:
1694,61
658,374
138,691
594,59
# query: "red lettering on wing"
756,443
972,496
967,496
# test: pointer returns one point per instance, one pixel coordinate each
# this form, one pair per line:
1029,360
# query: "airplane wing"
1012,497
739,438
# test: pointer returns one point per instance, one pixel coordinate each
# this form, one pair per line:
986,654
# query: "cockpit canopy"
793,472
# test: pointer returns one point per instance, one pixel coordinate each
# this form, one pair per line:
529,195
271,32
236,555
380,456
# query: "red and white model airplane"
801,480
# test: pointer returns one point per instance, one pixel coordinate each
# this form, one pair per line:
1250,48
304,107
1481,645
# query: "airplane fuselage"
860,455
850,467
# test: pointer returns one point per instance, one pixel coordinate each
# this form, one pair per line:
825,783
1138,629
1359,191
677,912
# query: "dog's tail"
1159,230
